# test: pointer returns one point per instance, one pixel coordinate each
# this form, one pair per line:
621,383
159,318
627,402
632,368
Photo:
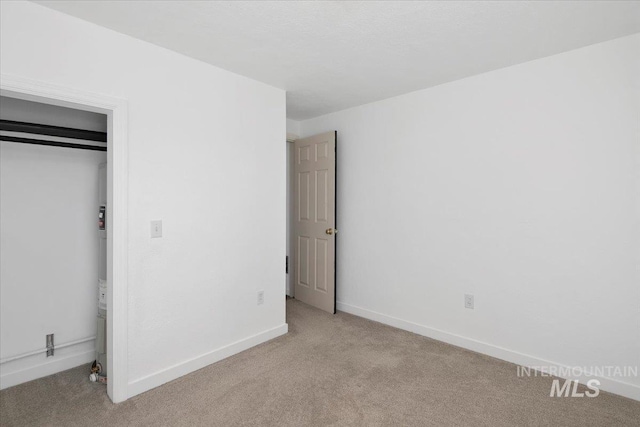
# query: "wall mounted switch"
156,229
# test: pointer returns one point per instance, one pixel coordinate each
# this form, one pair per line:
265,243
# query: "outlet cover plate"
468,301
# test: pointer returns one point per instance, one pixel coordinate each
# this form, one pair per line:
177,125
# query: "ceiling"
333,55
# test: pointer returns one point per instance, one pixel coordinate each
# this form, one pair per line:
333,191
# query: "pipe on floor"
33,353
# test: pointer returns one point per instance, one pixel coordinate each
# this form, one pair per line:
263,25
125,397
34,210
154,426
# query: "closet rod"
35,128
51,143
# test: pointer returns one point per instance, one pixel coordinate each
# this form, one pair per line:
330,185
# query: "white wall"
205,156
293,129
520,186
49,256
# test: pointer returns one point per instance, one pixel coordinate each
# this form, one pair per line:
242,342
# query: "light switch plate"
156,229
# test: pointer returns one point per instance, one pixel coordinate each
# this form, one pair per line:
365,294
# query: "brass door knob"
330,231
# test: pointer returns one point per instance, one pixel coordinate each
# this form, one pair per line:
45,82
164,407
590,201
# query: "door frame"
117,208
290,288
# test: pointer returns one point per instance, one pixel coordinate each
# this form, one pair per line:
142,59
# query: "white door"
314,221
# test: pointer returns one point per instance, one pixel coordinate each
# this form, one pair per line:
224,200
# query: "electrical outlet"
156,229
468,301
260,297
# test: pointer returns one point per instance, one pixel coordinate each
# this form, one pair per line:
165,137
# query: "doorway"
311,220
117,203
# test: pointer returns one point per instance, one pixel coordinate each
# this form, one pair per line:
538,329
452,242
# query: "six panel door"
314,220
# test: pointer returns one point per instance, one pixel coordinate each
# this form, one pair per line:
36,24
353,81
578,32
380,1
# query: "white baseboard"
176,371
57,364
607,384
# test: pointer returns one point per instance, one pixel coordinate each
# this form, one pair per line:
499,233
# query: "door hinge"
50,345
286,264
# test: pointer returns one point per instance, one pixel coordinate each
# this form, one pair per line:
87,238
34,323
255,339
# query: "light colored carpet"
328,370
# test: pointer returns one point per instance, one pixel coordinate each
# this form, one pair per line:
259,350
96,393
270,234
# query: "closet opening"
53,240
